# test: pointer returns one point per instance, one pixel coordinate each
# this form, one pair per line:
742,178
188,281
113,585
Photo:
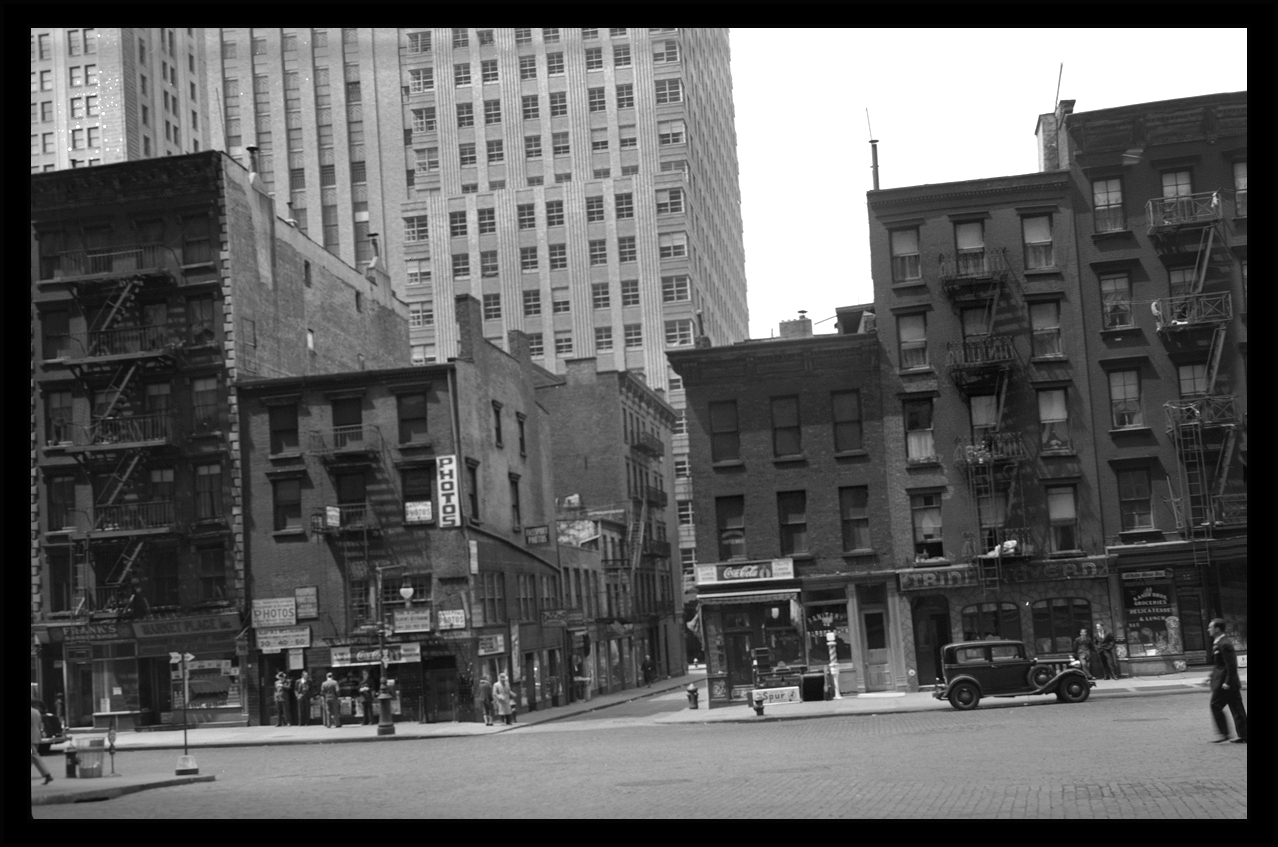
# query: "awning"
727,597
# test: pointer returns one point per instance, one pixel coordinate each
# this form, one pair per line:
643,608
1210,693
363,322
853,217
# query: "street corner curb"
110,792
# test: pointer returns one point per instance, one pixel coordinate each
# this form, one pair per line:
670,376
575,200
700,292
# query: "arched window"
1000,619
1057,622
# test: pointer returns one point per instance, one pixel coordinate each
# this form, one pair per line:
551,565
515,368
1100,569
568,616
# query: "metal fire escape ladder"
122,299
1226,457
1201,261
119,384
1214,353
123,566
1193,460
119,477
635,535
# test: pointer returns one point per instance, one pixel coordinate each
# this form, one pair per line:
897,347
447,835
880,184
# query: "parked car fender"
949,686
1054,683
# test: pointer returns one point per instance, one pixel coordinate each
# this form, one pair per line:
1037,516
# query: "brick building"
156,287
436,478
791,507
594,412
1160,191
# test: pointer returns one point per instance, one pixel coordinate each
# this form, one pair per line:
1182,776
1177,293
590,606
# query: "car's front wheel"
1040,675
1073,690
964,696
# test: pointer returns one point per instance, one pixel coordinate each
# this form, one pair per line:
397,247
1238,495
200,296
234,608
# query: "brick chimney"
1053,140
801,327
470,326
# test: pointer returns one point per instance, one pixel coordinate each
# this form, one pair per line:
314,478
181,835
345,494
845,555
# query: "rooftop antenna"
1057,101
874,150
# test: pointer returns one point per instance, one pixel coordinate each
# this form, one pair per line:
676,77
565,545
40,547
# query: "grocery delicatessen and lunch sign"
738,572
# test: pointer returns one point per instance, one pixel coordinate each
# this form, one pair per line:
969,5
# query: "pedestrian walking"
503,697
332,708
1108,652
1084,647
281,699
648,671
302,691
37,734
60,710
1226,690
486,698
366,698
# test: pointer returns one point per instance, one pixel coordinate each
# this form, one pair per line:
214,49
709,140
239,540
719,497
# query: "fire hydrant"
692,696
73,759
758,702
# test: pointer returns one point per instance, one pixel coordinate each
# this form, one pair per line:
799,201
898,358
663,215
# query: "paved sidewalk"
74,790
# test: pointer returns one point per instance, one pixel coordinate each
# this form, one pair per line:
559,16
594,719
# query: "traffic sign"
188,657
174,658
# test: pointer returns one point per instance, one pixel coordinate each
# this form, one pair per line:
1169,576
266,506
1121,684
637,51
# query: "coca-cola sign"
756,571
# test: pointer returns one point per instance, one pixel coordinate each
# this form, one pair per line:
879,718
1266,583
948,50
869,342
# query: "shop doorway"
79,700
931,633
878,675
1193,627
740,659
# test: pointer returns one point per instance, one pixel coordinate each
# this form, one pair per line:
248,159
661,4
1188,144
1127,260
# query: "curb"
111,792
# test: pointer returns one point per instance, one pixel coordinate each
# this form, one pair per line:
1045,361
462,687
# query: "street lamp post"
385,721
406,591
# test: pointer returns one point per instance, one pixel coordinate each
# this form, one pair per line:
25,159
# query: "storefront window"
780,633
115,678
828,617
1153,625
1002,620
1057,622
1233,600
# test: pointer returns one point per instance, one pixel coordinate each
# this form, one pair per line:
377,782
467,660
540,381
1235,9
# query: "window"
679,332
1037,232
621,56
1240,189
1193,379
1116,300
428,160
416,229
520,420
665,52
1134,500
670,132
853,508
562,178
634,336
793,522
1177,184
625,95
627,139
557,255
488,264
786,434
912,333
594,58
461,265
523,36
669,91
846,414
528,70
1057,622
457,224
1124,399
596,101
492,307
675,289
466,155
725,438
487,221
969,241
461,74
465,114
1053,419
526,214
926,512
554,213
58,416
599,297
528,262
532,150
419,42
598,251
536,346
496,153
492,112
420,315
918,431
529,107
493,594
288,504
420,80
626,170
563,343
603,338
559,144
560,304
1107,205
730,520
208,491
554,64
672,245
488,71
630,292
1063,518
670,201
1045,321
283,421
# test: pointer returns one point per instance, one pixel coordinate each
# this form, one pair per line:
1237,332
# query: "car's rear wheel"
1040,675
964,696
1073,689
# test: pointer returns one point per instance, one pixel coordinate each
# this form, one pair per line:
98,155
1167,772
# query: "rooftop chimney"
253,178
799,328
290,220
1053,140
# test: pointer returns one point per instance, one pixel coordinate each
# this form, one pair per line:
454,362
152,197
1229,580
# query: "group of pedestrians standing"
499,698
1097,658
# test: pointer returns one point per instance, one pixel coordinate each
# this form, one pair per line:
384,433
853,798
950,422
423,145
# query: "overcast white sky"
945,105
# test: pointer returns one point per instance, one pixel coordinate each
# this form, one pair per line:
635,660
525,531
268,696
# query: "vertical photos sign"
446,484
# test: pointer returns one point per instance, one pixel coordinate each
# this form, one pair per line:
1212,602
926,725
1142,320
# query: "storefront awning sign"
1048,571
737,572
275,611
275,639
725,598
918,579
1158,574
395,653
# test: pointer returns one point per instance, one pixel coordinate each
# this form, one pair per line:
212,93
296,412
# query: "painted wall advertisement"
275,611
275,639
452,618
446,484
1153,626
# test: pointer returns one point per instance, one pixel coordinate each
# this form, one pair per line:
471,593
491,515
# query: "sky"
945,105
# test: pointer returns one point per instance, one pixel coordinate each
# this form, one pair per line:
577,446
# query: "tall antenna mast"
874,150
1057,101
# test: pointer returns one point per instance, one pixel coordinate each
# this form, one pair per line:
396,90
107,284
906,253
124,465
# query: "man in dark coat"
1225,687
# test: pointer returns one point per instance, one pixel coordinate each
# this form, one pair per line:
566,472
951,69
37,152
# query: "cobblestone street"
1118,758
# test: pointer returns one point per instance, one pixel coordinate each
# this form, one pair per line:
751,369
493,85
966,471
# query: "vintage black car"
976,669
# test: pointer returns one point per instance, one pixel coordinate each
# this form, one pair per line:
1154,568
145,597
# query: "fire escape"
984,364
1194,323
126,342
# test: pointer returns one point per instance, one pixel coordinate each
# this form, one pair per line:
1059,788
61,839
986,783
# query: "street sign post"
186,764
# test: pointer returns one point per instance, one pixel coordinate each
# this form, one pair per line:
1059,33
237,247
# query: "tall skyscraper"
100,96
580,183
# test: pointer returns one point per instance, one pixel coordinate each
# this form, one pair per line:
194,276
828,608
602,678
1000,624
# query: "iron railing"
1230,508
648,443
982,352
1006,542
353,438
1203,207
355,517
1189,310
1203,410
130,517
660,549
656,497
985,263
133,429
992,447
122,341
110,261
